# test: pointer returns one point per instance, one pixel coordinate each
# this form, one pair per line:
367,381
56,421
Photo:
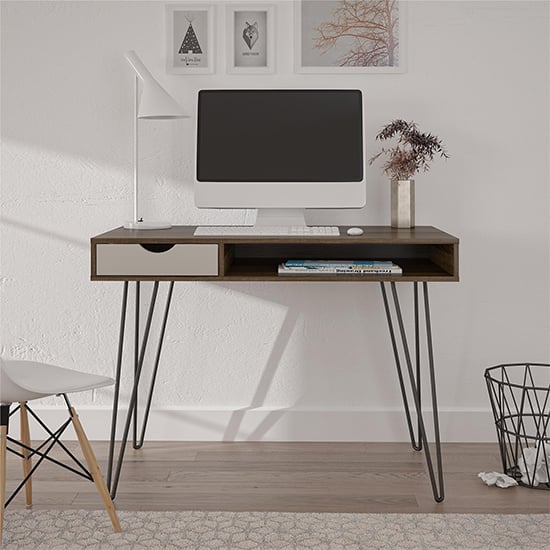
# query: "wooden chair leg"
3,452
27,461
93,466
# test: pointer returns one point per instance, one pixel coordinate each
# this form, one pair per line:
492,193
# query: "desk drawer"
179,260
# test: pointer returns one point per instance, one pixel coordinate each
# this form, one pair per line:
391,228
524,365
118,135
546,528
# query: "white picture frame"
190,27
250,39
320,49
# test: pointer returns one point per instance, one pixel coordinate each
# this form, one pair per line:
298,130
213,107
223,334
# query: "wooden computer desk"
425,253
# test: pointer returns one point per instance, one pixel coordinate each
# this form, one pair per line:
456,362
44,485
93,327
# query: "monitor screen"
280,136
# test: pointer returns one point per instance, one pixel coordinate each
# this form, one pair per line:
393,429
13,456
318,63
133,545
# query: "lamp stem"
136,106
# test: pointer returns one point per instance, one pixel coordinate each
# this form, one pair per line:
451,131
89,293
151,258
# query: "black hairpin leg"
140,347
414,378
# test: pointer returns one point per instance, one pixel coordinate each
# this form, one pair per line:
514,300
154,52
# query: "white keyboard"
267,231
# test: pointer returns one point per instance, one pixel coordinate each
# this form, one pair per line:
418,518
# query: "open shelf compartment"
243,261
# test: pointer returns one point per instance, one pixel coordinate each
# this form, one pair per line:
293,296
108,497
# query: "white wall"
312,361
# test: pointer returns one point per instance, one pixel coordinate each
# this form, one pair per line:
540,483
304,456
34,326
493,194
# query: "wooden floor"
294,477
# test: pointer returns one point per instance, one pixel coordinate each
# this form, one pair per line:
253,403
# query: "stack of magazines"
339,267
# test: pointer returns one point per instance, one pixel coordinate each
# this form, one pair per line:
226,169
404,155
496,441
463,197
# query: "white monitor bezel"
269,194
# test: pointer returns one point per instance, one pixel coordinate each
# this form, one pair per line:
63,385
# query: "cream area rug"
67,530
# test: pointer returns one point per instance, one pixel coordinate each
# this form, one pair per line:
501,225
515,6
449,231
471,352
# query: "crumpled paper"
534,465
495,478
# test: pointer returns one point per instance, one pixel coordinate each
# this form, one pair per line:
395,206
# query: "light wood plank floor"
294,477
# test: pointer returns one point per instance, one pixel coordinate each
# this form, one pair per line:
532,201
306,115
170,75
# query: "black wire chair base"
419,440
48,444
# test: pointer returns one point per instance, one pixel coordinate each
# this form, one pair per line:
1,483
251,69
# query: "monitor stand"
287,217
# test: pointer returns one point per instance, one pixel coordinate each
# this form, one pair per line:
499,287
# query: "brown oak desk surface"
425,253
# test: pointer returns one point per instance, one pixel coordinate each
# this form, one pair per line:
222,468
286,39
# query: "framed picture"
250,38
350,36
190,34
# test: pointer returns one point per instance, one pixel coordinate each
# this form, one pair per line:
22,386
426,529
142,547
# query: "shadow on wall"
231,424
332,349
268,374
44,232
328,349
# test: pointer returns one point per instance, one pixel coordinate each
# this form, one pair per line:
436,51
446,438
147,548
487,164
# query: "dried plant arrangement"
413,152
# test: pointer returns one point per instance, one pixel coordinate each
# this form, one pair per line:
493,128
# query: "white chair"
22,381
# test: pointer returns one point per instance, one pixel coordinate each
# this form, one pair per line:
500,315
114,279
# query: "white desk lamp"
155,103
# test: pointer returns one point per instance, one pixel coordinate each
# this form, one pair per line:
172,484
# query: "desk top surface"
371,234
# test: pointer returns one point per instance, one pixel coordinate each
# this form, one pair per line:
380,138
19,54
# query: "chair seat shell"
27,380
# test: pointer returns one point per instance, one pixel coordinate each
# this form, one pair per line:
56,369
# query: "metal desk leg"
140,347
414,378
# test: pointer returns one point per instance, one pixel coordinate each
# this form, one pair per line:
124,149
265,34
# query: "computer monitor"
280,149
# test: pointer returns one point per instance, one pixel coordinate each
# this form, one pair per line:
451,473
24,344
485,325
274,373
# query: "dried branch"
372,24
413,152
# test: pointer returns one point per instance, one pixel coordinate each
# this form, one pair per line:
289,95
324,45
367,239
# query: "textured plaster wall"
275,361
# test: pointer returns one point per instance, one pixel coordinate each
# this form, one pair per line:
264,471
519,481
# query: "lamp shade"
155,101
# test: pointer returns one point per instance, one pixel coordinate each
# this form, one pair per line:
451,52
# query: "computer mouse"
354,231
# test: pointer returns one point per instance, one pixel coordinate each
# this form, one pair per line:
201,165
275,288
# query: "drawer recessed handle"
157,248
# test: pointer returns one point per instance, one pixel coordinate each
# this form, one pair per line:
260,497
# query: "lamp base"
140,225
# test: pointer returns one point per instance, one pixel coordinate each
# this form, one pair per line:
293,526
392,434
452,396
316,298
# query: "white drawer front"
180,260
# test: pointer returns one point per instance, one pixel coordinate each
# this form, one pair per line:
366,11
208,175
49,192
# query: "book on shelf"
339,263
339,267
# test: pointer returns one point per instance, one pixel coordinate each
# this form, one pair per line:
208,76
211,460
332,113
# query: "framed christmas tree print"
250,41
190,34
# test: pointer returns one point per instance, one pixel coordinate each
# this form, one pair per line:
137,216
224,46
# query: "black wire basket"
520,398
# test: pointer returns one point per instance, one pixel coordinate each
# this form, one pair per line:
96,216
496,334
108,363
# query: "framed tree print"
190,34
250,39
350,36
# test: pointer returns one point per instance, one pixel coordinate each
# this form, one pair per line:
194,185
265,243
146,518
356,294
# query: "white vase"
402,203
